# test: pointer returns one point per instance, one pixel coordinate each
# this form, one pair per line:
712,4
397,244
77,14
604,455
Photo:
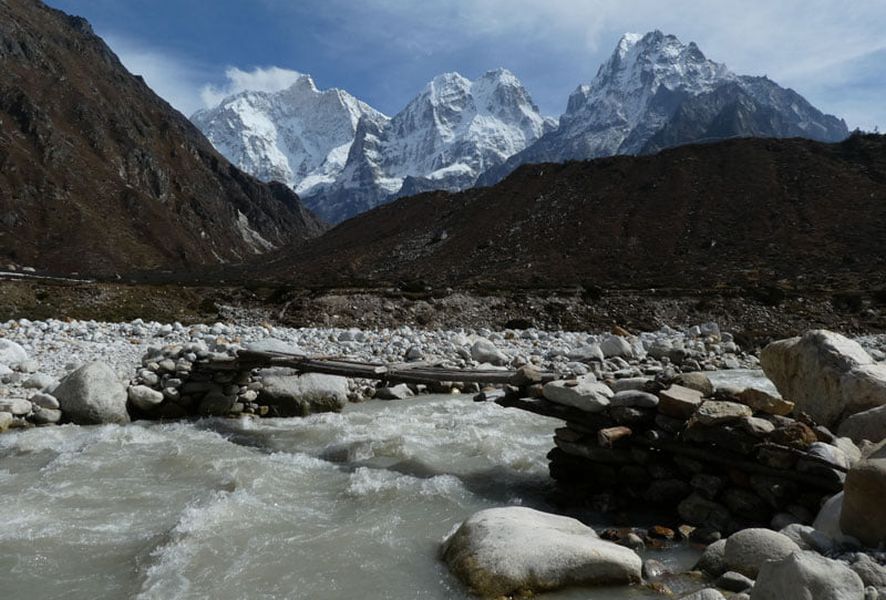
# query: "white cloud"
391,47
260,79
803,44
173,78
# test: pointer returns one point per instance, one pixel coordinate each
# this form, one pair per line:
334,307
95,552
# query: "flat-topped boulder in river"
502,551
291,394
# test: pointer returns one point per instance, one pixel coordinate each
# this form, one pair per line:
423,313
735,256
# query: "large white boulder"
825,375
294,395
92,395
11,353
807,576
503,551
748,549
584,393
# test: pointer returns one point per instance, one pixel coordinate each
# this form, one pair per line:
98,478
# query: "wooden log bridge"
413,372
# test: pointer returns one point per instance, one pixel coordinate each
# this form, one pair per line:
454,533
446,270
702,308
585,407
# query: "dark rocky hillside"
757,213
100,175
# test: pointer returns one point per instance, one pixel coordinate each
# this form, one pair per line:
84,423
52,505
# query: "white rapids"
350,505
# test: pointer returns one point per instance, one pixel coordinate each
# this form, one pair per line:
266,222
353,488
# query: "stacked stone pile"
196,379
17,369
720,458
725,458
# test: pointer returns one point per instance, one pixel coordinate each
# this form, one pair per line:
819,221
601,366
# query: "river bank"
299,507
755,316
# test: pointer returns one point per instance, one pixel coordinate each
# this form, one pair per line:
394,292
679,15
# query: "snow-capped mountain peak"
299,136
654,92
321,143
628,82
652,79
445,137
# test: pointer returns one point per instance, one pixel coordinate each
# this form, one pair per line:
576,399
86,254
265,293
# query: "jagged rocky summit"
345,158
655,92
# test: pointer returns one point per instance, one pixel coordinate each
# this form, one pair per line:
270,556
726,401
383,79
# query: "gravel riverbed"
56,347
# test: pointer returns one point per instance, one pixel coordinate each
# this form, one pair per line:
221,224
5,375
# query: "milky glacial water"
352,505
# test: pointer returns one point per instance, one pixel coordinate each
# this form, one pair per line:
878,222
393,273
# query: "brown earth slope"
100,175
755,212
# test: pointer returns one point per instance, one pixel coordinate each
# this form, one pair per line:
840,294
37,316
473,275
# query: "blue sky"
384,51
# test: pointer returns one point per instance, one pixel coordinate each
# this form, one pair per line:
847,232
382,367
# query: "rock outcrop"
825,375
715,461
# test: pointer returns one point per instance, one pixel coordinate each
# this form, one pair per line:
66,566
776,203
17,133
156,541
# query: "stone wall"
723,459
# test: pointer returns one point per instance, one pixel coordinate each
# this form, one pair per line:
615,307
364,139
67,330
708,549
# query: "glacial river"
351,505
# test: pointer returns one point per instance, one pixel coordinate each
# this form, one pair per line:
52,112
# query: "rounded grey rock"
748,549
144,398
93,395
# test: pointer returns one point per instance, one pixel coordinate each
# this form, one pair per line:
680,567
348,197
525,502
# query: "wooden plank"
418,372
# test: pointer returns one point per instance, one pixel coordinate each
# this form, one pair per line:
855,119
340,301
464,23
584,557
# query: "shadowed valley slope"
100,175
739,212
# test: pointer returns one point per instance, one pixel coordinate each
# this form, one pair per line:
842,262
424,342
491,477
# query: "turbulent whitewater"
332,506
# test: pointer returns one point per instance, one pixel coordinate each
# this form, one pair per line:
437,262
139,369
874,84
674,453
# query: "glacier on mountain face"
299,136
